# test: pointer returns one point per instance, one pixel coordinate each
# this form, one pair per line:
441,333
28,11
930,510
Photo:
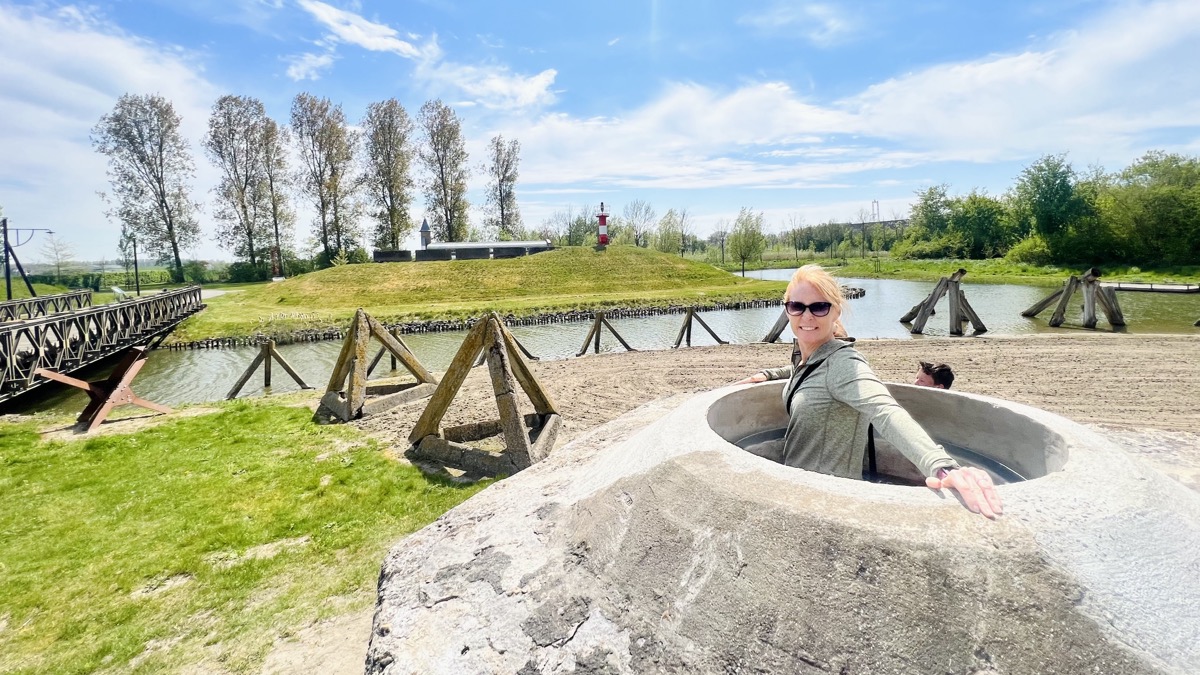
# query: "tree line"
1147,214
345,174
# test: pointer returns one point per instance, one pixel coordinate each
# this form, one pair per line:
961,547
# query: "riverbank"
299,502
574,279
993,270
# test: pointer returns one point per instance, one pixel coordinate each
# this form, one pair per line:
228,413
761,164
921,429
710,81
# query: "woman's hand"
757,377
974,486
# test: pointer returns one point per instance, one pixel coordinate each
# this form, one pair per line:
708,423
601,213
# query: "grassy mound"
563,279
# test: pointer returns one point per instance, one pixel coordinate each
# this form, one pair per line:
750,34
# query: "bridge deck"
67,341
1152,288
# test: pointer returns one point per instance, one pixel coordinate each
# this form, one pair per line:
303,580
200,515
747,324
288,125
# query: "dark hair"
941,373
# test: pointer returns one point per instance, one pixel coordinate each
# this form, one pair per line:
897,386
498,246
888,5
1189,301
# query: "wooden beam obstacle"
347,394
685,331
777,329
1093,294
113,391
528,439
593,335
961,311
266,354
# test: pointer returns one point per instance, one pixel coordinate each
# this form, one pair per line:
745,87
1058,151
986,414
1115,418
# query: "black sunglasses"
816,309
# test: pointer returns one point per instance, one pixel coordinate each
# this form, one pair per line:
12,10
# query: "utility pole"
137,278
7,270
9,252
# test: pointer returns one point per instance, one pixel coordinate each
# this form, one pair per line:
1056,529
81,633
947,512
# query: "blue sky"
802,110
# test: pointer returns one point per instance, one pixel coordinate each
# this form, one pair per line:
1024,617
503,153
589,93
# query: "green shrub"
1032,250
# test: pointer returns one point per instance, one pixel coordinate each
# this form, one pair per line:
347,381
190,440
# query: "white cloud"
822,24
492,85
308,66
489,85
60,70
351,28
1102,89
1103,92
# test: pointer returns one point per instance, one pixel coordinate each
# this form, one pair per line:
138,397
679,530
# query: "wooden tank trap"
593,336
528,439
1093,294
349,396
267,353
685,331
961,311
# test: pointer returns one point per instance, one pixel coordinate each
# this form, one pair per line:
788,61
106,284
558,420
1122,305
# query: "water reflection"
175,377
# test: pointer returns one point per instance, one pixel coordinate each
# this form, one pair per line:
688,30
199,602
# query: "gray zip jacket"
832,409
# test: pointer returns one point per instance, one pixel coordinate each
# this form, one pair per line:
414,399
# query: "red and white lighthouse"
602,233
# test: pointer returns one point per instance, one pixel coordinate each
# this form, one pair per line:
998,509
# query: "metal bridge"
31,308
70,340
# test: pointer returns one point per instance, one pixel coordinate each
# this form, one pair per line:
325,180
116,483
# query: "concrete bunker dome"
1009,445
654,544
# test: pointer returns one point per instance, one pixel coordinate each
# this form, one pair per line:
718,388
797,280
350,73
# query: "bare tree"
687,234
326,146
149,168
720,236
234,144
502,172
639,217
277,182
59,254
444,157
387,131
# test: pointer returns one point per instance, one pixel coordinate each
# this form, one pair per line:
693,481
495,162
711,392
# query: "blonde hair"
823,281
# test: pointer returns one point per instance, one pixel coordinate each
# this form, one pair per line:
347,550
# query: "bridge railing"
73,339
29,308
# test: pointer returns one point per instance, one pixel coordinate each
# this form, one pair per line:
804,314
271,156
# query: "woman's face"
811,331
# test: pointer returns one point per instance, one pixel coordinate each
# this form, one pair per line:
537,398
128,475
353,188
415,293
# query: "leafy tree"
669,237
984,225
149,168
326,149
234,144
502,171
1155,208
747,242
444,156
387,131
930,216
1044,198
275,140
638,216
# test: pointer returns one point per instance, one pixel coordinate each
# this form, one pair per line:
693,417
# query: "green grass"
995,270
97,531
19,292
563,279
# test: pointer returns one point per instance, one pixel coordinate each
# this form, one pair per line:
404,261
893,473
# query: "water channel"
194,376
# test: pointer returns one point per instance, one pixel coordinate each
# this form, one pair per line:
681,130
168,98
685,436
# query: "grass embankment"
993,270
560,280
199,540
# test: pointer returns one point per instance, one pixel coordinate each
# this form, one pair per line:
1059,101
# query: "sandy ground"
1140,390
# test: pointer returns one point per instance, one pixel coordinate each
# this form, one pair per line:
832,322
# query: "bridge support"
111,392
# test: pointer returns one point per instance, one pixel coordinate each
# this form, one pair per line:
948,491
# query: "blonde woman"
833,398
